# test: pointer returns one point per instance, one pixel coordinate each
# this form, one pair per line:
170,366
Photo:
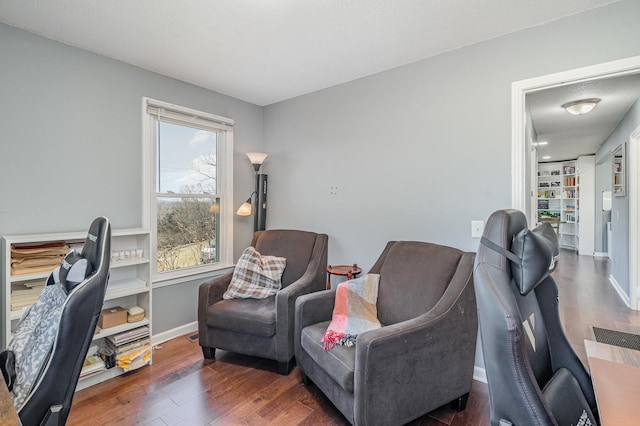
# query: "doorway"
521,150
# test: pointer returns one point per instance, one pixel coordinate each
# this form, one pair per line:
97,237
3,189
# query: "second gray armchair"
264,327
421,358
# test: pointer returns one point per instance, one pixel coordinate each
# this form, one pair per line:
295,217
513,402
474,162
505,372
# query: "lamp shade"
581,107
245,209
257,158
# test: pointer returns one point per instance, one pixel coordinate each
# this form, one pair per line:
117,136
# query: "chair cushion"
251,316
256,276
538,252
339,363
33,340
567,402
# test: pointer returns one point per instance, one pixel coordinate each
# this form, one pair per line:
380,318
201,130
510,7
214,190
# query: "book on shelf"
93,364
543,204
131,353
129,335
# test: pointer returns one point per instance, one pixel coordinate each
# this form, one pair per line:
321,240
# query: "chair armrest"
209,293
286,298
310,309
315,307
313,280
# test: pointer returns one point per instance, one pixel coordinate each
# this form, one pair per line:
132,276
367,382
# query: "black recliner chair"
534,376
48,401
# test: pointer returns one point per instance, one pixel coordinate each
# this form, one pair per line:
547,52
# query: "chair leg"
209,353
285,367
305,380
460,404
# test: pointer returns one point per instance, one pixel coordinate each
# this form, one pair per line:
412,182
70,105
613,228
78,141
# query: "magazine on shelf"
129,335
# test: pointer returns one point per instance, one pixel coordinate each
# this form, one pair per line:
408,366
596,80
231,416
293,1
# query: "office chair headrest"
533,254
538,252
92,249
72,271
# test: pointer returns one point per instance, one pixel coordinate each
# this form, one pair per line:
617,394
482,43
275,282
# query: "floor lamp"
260,218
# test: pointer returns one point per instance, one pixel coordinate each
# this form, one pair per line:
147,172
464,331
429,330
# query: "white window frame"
152,110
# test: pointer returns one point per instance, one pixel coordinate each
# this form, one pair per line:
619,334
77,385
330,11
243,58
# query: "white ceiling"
265,51
570,136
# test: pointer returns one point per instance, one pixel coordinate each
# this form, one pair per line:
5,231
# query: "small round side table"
349,271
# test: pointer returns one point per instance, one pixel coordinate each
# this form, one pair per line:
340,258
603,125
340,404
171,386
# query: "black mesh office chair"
44,397
534,376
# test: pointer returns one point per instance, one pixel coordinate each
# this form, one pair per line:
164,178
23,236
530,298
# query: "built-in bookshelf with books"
549,189
618,171
129,287
559,196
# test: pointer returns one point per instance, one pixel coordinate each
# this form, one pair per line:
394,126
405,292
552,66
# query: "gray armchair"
264,327
421,358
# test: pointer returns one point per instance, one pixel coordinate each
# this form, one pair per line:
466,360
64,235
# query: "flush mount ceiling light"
582,106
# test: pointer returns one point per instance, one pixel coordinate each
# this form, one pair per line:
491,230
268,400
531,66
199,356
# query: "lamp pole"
260,218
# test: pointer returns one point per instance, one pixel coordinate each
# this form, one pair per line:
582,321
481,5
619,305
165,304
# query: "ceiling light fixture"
582,106
546,157
540,143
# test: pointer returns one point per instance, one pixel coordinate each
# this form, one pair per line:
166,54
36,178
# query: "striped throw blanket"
354,311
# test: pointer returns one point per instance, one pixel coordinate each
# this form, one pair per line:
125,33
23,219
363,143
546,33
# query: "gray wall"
419,151
620,205
70,138
416,152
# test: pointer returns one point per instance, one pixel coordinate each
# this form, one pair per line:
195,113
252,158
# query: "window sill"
221,269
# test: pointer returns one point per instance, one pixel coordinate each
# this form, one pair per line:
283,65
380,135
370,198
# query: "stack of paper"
26,294
92,365
132,348
37,258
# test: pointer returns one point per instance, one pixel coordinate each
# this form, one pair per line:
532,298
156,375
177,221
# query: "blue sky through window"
186,159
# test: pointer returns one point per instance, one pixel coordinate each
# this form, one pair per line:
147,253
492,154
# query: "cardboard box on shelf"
112,317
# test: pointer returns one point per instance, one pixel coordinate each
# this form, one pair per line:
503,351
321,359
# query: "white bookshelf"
129,282
559,194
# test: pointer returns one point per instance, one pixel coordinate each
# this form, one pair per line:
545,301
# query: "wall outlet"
477,227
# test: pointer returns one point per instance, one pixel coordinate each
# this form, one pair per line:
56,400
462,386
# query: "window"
189,175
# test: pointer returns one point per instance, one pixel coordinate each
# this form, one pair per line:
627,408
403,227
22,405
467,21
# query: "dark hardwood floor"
181,388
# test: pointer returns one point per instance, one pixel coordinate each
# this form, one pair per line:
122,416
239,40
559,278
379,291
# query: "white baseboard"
620,291
600,254
479,374
156,339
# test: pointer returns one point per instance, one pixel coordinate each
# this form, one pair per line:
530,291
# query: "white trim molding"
633,188
519,191
620,291
165,336
479,374
519,89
